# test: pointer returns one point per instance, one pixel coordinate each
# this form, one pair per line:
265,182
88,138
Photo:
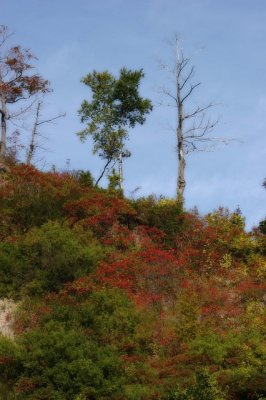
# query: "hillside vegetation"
126,299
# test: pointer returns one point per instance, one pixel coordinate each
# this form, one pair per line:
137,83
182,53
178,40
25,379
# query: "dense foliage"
123,299
116,105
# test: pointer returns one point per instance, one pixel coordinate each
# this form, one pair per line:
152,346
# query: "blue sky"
71,38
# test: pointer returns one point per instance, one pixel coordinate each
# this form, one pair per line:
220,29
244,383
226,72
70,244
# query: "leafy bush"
76,350
47,257
12,269
204,388
60,363
75,256
30,198
262,226
161,213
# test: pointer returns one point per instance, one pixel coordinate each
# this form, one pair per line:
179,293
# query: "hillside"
126,299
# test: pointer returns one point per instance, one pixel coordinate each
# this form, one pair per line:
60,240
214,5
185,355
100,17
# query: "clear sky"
73,37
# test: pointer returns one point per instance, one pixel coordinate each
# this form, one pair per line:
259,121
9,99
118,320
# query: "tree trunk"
181,183
103,171
32,145
3,126
120,170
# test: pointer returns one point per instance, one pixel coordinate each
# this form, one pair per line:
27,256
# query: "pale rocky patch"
7,311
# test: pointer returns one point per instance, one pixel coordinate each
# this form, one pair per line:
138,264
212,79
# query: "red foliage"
29,198
249,288
148,275
79,287
201,244
25,385
98,211
18,83
141,237
5,360
30,320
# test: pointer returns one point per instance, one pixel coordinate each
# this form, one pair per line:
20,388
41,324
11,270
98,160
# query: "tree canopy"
116,105
17,82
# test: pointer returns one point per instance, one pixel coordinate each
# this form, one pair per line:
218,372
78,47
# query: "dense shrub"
161,213
204,388
77,348
127,299
30,198
45,258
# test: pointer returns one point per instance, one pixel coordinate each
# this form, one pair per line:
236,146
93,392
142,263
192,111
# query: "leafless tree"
35,134
193,128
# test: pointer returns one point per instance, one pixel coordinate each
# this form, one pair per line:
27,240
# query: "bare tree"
35,134
193,127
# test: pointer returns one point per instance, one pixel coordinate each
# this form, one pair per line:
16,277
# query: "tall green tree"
115,106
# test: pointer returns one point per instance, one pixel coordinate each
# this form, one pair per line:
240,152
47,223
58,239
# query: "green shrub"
63,362
75,352
204,388
161,213
46,258
12,269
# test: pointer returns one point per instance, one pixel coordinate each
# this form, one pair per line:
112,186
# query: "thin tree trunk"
181,183
103,171
3,125
32,145
120,170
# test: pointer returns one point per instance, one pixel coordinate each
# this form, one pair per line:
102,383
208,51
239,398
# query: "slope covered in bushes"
122,299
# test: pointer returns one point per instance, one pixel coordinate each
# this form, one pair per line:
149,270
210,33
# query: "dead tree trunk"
3,125
192,127
181,183
32,145
35,134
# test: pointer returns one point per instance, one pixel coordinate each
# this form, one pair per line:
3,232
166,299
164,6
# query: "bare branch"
21,111
190,91
168,93
19,98
34,145
187,79
202,127
198,110
50,120
4,34
181,65
193,128
13,80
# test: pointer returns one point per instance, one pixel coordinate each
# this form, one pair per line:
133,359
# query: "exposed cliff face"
7,310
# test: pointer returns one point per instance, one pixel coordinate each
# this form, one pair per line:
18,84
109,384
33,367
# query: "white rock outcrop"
7,310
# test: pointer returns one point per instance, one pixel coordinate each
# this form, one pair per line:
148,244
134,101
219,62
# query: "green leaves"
66,362
115,106
46,258
204,388
74,256
75,349
130,107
